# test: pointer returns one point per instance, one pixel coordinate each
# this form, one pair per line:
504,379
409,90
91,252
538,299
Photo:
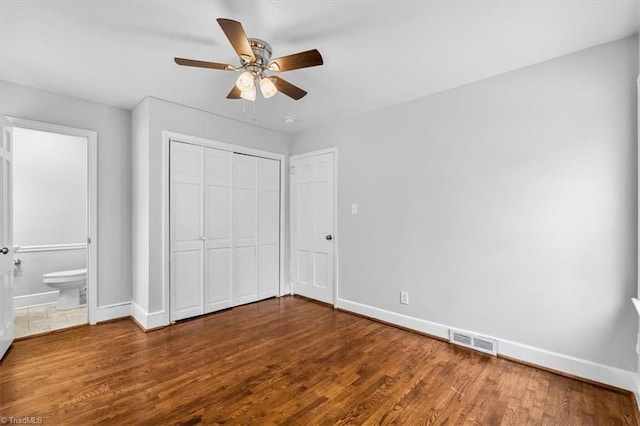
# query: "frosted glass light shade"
245,81
249,94
267,87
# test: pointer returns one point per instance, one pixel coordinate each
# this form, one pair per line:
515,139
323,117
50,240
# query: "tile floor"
41,319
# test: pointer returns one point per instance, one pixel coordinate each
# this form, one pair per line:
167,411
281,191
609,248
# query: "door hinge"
293,170
89,240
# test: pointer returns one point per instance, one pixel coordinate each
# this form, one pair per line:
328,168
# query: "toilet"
69,284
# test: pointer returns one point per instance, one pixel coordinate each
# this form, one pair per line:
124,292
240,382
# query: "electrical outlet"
404,297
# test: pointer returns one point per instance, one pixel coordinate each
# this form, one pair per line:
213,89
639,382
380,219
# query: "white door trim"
336,234
168,136
92,199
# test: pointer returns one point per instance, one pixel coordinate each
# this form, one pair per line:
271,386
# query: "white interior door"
218,217
312,225
186,172
245,229
268,227
6,239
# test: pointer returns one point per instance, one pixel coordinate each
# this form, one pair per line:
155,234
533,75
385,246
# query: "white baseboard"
110,312
147,320
402,320
38,299
571,365
589,370
286,289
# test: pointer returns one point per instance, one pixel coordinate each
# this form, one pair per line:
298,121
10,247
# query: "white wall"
50,188
151,117
505,207
114,174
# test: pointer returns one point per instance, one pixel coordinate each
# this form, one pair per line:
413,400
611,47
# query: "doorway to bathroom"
53,218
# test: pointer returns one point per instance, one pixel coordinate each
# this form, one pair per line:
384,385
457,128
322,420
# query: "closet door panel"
186,273
245,213
268,275
244,171
245,229
245,280
186,230
218,221
268,227
218,210
245,208
186,216
218,279
269,217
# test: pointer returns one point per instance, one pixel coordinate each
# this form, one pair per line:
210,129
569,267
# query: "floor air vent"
470,340
461,339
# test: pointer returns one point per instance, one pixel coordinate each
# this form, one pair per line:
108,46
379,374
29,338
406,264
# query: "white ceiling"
376,53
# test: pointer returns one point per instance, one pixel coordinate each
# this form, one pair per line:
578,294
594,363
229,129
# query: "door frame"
336,233
92,199
167,137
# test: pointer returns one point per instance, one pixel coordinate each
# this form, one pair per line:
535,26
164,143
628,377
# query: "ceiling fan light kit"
245,81
255,61
249,94
267,87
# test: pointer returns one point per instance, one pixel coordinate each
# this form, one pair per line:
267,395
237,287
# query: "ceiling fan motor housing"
262,51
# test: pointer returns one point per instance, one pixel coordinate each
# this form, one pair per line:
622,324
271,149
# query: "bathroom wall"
27,277
50,199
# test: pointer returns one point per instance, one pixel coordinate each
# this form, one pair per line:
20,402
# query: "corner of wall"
637,387
111,312
140,203
147,321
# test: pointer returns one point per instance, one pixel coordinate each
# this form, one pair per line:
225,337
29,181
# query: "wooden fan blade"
234,93
310,58
287,88
203,64
238,39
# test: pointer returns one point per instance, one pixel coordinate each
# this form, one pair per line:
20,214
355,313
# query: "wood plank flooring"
285,361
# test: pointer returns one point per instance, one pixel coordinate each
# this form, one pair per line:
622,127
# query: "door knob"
4,250
329,237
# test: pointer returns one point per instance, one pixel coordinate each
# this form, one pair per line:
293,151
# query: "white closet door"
245,232
186,230
268,227
218,230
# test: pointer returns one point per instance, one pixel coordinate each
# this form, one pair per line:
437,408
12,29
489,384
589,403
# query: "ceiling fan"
255,60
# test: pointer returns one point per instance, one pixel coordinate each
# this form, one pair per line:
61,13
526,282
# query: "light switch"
354,209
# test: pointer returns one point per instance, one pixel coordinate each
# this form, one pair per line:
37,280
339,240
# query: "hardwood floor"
284,361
